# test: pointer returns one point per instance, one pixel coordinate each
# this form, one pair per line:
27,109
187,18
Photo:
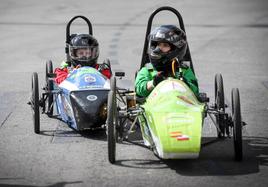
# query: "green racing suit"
147,73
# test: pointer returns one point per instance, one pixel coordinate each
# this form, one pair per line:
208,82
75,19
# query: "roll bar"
145,58
68,36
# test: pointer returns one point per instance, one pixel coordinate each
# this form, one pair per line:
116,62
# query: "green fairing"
174,119
147,73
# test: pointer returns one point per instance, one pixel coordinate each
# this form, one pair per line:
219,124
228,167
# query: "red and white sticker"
179,136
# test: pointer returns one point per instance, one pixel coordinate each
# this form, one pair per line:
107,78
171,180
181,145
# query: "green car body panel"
172,120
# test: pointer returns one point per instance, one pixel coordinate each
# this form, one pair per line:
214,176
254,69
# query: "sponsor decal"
174,118
173,85
179,136
92,97
90,79
90,86
66,106
178,86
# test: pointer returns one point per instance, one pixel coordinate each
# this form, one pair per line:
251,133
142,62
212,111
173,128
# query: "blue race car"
80,100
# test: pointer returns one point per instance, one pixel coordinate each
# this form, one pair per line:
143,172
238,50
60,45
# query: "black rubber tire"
111,123
49,83
220,105
35,103
237,125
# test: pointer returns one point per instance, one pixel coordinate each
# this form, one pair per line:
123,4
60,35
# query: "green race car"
172,116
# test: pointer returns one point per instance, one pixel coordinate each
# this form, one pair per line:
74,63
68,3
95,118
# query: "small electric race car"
80,100
171,117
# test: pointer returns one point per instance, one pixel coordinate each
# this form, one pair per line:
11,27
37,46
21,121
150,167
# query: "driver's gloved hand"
158,78
103,66
107,62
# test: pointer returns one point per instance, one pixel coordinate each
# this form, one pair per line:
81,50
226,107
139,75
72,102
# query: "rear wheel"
49,83
111,123
35,103
219,104
237,125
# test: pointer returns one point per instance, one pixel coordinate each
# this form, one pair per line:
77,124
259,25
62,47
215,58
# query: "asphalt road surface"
225,36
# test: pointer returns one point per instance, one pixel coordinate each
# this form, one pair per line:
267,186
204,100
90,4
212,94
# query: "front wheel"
49,84
237,125
35,103
111,123
219,104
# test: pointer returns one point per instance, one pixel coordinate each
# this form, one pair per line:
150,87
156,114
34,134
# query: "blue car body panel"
82,98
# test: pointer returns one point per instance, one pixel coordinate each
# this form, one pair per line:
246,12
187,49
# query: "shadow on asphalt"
216,159
64,131
142,164
58,184
97,134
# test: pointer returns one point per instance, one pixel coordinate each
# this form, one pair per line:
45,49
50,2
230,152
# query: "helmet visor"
83,53
157,50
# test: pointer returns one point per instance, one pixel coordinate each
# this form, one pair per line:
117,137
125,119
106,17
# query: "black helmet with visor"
172,35
84,50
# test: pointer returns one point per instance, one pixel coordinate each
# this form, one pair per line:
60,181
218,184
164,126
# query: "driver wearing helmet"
167,47
84,51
